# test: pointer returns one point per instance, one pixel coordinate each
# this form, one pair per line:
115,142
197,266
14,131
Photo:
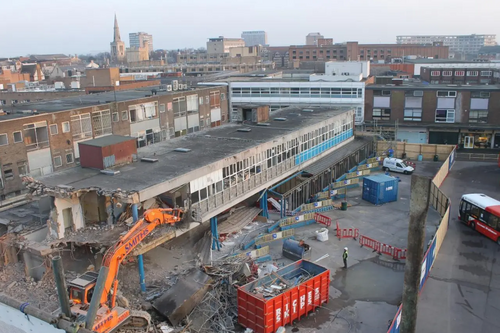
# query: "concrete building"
298,89
138,39
343,71
214,171
416,112
223,45
137,54
373,52
253,38
466,44
39,138
117,46
312,38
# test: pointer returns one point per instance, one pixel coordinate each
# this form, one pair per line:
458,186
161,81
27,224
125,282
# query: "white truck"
396,165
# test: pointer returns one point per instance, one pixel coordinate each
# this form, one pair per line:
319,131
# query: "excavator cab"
81,289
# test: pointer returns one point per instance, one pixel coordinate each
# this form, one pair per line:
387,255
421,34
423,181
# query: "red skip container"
266,315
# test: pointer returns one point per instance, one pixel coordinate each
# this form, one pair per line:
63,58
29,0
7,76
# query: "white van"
396,165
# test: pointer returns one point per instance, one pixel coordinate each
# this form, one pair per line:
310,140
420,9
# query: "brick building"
438,114
355,51
40,138
461,74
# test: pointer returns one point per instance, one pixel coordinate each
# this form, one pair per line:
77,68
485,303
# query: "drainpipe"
140,259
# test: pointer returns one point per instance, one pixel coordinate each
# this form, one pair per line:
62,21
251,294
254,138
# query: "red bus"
481,213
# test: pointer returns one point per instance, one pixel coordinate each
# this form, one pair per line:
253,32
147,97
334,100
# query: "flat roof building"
209,172
467,44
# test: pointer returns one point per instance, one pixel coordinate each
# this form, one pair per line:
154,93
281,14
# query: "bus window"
493,222
475,211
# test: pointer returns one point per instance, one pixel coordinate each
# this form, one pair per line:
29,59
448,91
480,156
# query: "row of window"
441,115
439,93
248,167
460,73
298,92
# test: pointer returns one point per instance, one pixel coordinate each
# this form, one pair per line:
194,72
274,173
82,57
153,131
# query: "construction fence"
442,204
413,150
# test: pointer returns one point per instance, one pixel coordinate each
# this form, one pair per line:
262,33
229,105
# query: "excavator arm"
115,255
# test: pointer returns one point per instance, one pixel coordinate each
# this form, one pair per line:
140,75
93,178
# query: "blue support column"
215,233
140,260
263,204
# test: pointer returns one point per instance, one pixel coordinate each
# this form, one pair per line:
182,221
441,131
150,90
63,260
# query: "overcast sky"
74,26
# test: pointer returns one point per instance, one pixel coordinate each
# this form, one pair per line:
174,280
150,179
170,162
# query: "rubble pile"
41,294
218,310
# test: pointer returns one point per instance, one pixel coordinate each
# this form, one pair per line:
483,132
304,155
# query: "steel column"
215,233
140,259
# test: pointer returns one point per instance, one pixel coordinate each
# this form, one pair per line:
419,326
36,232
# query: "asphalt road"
462,294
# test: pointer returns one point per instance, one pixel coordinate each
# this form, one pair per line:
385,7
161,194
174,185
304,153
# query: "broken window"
101,121
22,168
8,174
133,116
81,126
36,135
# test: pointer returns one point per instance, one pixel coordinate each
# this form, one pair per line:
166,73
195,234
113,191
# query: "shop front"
443,137
477,139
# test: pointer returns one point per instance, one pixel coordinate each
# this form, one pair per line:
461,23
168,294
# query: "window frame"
412,117
124,115
56,131
383,114
72,158
14,136
68,129
58,157
6,139
115,117
446,121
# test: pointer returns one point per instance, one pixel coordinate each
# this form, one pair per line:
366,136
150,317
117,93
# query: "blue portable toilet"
379,189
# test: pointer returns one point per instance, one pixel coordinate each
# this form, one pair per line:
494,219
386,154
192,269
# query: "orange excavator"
94,294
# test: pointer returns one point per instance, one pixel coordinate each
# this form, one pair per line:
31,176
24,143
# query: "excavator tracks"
138,320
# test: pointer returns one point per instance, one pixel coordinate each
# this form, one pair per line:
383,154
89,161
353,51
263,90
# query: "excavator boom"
110,316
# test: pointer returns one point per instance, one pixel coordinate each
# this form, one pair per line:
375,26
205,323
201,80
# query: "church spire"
117,31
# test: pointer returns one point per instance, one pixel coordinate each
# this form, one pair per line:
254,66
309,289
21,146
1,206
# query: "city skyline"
176,25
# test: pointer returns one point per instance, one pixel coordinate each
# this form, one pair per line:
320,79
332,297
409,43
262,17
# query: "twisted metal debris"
218,311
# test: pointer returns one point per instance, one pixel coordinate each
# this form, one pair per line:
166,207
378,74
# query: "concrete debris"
37,188
217,312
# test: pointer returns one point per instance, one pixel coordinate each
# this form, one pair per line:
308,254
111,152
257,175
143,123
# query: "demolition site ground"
363,298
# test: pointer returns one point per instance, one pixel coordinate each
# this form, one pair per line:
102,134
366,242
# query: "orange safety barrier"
389,250
347,233
412,164
368,242
400,254
319,218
